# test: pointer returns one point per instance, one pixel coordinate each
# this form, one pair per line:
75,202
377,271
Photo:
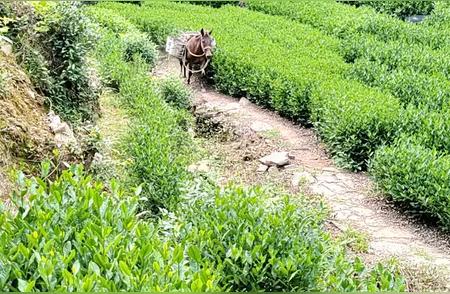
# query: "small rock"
302,176
275,159
6,45
262,168
272,170
31,94
63,133
244,101
201,166
259,126
203,90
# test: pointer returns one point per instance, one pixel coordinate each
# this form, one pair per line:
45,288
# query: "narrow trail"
349,195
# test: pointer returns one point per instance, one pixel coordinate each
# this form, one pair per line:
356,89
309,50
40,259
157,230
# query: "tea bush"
402,8
342,20
410,86
138,43
417,176
355,42
70,235
256,244
260,70
174,92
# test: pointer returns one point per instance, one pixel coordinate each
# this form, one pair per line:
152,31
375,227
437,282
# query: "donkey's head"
207,43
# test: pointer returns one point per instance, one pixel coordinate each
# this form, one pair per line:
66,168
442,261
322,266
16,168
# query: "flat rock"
259,126
262,168
275,159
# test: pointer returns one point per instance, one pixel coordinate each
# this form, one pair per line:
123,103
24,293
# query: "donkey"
198,50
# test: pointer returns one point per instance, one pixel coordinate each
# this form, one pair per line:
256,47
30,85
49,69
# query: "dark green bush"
417,176
402,8
174,92
138,43
70,235
67,36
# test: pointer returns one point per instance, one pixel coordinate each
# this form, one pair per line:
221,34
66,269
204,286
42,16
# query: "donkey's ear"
210,32
202,31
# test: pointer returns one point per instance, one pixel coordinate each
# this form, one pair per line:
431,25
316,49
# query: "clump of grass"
356,240
174,92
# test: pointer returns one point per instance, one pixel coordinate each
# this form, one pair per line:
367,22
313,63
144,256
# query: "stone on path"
244,101
262,168
275,159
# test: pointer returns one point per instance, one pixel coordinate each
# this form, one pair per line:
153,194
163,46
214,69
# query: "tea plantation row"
272,60
414,64
289,67
415,169
72,234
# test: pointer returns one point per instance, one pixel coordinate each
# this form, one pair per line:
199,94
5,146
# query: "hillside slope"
25,135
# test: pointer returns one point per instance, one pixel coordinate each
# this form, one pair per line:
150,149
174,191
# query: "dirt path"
349,195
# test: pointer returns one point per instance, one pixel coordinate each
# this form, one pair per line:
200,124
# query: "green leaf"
194,253
76,267
124,268
25,286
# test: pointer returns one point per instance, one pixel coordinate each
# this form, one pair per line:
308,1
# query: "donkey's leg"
190,73
181,67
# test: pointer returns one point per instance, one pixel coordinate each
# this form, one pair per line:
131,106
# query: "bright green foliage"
174,92
417,176
138,43
256,245
440,18
408,59
69,235
293,71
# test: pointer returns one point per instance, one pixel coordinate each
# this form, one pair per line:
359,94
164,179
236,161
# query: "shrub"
67,36
69,235
138,43
261,245
354,121
342,20
402,8
174,92
415,175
